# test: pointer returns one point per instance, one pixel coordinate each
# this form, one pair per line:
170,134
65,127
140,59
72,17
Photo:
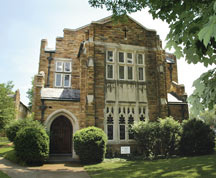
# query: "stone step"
61,158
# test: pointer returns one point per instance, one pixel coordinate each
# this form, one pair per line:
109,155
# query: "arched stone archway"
52,122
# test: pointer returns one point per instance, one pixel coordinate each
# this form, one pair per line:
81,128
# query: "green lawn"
185,167
5,147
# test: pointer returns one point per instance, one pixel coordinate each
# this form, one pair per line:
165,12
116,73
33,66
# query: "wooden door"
61,136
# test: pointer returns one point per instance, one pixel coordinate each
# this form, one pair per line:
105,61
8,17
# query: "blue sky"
23,23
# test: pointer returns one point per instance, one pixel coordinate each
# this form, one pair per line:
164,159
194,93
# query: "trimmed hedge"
169,137
15,126
197,138
32,145
90,145
158,138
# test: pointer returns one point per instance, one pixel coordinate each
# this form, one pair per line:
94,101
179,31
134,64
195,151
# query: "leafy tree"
209,117
30,94
7,108
192,34
204,95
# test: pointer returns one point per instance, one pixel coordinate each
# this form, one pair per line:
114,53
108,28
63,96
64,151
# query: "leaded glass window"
141,73
121,57
121,72
122,127
130,73
110,56
110,71
110,127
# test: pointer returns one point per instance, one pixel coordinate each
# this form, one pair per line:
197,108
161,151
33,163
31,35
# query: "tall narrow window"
121,57
67,80
130,73
110,56
140,59
109,71
130,123
59,66
121,72
141,73
67,67
142,113
129,58
58,80
122,127
110,127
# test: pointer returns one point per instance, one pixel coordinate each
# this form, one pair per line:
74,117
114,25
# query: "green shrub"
146,134
15,126
90,145
32,145
158,138
197,138
169,137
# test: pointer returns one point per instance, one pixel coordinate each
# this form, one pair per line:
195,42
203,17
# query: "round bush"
15,126
32,145
146,134
170,135
90,145
197,138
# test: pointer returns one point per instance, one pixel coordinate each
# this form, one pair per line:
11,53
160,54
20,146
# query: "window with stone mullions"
110,57
140,59
122,127
141,73
110,127
121,57
110,71
129,58
63,74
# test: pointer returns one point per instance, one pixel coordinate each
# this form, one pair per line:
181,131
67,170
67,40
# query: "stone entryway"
61,136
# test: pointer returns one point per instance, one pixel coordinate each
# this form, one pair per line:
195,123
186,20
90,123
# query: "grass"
187,167
3,175
5,147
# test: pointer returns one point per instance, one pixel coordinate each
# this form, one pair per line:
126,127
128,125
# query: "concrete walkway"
72,170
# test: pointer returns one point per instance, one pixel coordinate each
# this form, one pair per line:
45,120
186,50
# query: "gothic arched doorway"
61,136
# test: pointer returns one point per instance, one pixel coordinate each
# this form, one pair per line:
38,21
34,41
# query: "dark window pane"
110,119
110,56
110,132
142,118
140,59
121,72
131,134
122,132
109,71
122,120
141,74
129,58
130,73
121,57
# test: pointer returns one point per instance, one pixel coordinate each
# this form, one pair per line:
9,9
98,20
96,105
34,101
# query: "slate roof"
60,94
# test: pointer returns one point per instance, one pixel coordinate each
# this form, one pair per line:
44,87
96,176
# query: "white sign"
125,150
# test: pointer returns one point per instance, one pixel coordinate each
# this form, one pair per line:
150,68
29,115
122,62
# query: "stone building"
109,75
21,110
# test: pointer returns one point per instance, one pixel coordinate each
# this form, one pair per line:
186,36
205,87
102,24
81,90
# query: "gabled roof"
109,19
